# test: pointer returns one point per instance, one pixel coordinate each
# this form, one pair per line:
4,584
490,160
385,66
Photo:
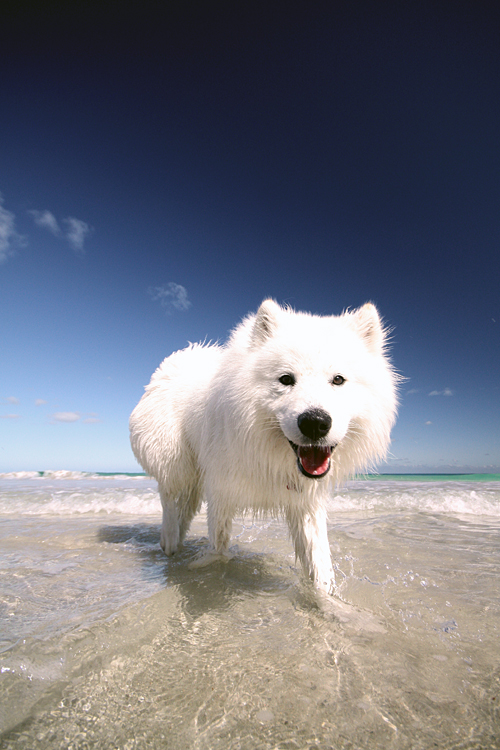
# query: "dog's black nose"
314,423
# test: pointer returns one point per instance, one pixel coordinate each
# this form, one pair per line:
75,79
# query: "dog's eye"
287,380
338,380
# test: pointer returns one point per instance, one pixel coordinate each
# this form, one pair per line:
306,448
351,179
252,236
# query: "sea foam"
74,493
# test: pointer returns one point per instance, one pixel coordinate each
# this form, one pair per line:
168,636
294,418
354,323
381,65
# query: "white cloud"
170,296
47,220
413,390
40,402
428,422
446,392
8,235
77,231
9,416
65,416
12,400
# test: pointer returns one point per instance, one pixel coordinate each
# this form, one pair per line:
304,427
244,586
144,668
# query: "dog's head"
326,382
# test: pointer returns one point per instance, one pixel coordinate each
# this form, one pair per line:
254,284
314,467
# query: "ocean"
106,643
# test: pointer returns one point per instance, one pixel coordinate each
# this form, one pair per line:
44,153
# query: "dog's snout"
315,423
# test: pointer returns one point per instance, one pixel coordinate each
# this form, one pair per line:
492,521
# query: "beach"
107,643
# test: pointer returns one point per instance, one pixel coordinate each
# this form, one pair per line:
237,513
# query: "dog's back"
164,424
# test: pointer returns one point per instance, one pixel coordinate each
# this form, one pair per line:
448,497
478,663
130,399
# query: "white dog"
269,422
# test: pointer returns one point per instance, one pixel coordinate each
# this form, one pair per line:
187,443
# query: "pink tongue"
314,459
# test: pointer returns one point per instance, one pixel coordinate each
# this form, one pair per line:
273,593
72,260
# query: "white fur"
215,423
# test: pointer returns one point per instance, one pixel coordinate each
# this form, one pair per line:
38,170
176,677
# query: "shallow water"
106,643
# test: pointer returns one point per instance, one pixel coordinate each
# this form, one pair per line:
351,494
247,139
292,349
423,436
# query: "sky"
164,168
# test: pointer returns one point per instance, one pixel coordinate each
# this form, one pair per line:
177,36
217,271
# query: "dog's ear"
266,321
369,327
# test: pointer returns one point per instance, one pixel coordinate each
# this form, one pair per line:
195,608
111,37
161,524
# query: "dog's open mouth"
314,460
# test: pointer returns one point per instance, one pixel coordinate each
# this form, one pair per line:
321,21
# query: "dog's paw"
169,543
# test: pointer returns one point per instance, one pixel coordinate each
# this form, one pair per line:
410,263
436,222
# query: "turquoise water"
106,643
434,477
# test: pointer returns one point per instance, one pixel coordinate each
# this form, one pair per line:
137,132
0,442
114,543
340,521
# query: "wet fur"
215,424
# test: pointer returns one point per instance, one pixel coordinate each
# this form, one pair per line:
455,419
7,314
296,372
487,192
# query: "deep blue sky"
324,154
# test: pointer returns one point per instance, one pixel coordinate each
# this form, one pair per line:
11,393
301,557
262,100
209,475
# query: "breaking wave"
64,474
68,493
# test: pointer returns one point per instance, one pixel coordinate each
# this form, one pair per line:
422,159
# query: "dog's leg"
170,537
309,534
220,523
187,507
